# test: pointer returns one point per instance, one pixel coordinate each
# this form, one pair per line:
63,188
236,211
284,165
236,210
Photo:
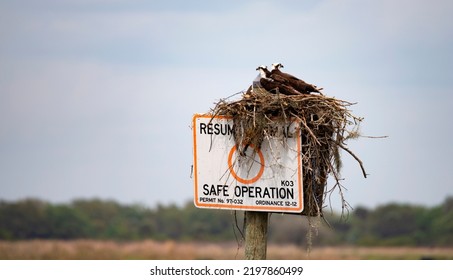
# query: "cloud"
96,99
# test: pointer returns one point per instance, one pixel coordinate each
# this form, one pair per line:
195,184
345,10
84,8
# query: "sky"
97,97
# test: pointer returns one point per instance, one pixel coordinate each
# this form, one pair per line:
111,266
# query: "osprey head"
263,71
277,66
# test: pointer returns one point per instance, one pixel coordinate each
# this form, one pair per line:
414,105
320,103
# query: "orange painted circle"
239,179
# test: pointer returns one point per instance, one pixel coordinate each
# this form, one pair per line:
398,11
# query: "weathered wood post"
256,224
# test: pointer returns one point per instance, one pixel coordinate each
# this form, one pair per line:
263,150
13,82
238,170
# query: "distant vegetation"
387,225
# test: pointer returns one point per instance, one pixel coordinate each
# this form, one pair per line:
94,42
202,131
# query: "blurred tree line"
387,225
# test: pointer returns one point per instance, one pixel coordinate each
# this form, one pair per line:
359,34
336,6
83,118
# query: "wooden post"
256,235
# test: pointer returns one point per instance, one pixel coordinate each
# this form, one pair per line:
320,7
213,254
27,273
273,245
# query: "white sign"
266,178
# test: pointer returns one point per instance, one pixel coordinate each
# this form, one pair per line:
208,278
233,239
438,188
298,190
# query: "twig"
355,157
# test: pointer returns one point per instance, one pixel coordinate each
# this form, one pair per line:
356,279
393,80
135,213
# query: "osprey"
257,81
292,81
274,85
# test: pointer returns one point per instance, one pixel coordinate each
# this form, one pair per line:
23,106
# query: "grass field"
149,249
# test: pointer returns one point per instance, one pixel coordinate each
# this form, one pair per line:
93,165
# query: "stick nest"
326,124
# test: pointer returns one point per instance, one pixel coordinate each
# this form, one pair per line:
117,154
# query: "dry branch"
325,123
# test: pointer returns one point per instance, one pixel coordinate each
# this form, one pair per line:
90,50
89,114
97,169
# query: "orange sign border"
242,207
